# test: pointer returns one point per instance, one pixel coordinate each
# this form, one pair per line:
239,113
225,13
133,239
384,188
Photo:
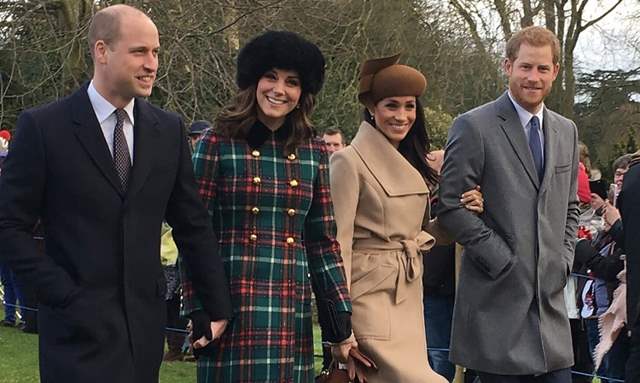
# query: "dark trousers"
632,374
438,312
581,353
12,294
175,339
557,376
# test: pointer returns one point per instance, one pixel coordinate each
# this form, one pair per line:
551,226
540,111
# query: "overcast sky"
605,45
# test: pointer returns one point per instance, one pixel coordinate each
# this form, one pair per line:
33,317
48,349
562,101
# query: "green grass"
19,358
19,361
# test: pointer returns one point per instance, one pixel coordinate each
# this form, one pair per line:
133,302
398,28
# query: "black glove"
201,324
335,325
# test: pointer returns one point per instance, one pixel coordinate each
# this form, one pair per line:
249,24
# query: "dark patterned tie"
536,146
121,158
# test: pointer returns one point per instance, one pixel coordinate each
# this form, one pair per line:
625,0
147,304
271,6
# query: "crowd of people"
237,226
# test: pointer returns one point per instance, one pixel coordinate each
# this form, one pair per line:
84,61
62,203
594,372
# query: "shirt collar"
259,133
523,114
103,108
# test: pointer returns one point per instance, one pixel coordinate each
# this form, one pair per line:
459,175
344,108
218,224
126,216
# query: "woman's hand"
340,351
472,200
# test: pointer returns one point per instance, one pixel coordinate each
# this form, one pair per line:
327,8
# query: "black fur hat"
282,50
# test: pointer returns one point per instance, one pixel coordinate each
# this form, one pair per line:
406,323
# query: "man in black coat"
629,202
103,168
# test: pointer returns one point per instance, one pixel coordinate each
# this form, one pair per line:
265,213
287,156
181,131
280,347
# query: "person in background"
12,295
630,215
438,280
175,323
195,131
334,140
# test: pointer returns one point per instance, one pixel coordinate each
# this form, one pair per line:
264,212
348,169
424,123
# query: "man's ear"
100,51
507,66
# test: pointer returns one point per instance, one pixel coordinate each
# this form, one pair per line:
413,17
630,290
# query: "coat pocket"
563,168
372,297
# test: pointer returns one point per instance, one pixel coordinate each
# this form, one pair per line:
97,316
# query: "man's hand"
610,215
596,202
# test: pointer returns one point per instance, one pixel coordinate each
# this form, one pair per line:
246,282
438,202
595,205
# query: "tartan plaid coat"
273,216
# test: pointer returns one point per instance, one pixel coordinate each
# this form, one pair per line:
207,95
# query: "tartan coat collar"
259,134
394,173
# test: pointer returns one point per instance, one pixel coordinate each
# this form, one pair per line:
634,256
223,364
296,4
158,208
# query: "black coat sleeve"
22,187
197,244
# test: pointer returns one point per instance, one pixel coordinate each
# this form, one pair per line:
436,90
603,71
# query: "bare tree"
566,18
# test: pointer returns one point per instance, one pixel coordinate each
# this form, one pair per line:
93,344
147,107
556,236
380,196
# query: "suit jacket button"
291,212
253,237
255,153
290,241
255,210
256,180
291,157
293,183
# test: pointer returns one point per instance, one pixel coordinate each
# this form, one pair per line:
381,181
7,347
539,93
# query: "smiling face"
278,93
531,75
394,117
126,67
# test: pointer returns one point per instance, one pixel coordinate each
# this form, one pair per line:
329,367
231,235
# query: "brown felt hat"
384,77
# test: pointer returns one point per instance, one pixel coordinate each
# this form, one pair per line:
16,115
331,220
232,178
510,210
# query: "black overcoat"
101,286
629,202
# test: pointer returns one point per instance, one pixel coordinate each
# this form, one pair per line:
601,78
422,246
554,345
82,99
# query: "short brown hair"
333,132
535,36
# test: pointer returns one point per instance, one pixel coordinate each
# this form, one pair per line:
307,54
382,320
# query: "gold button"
253,237
255,153
256,180
291,157
290,240
255,210
291,212
293,183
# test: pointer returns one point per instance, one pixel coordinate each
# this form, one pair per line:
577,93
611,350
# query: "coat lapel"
394,173
550,134
145,133
512,127
90,135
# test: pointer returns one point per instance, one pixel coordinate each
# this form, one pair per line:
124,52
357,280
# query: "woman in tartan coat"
265,180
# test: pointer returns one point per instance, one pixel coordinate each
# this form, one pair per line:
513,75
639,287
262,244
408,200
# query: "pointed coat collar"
392,171
90,135
512,127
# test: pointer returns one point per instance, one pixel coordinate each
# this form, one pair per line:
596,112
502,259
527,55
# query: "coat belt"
410,265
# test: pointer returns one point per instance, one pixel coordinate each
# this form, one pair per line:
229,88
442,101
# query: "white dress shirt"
107,118
525,119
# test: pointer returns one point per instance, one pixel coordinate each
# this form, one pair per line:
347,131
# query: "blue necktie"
535,146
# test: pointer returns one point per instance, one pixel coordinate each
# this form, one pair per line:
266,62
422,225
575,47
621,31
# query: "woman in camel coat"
380,190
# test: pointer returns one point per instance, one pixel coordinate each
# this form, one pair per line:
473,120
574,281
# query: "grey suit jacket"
510,315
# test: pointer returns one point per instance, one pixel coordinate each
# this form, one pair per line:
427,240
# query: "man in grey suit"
510,323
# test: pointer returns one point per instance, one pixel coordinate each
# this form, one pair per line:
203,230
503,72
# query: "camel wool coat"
380,202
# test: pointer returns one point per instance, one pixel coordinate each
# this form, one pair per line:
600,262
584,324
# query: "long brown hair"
415,146
237,118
